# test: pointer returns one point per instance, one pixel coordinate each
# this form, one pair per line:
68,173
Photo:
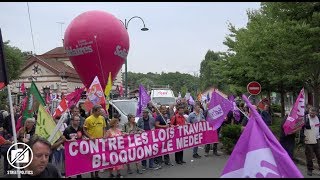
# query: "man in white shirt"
311,133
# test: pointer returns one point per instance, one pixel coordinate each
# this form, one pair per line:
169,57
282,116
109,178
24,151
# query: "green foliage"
279,48
276,108
230,135
211,71
14,59
183,90
146,82
276,126
178,82
3,99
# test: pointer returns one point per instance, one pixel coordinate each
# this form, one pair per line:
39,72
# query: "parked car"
121,108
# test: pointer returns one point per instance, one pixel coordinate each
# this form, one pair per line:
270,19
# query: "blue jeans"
195,150
144,163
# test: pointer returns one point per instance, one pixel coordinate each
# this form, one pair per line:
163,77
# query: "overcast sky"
180,33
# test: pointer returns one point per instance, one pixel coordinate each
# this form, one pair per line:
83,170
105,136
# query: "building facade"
53,74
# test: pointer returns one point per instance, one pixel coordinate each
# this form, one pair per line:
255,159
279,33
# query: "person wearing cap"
94,127
26,132
147,122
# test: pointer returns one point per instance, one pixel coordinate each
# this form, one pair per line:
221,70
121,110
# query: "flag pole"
57,128
242,112
159,112
13,123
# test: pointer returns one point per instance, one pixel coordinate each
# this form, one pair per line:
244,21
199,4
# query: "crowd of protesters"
79,124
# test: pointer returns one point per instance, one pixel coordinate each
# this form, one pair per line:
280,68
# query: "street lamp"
126,24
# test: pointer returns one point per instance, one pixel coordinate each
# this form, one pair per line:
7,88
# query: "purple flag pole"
258,154
295,120
236,112
144,99
218,110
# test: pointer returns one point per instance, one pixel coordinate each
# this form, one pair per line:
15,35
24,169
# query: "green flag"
46,125
34,100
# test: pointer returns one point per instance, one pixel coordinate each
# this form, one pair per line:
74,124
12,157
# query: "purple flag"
236,112
191,101
144,99
218,110
295,118
258,154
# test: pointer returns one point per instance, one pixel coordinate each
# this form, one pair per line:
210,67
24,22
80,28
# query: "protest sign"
83,156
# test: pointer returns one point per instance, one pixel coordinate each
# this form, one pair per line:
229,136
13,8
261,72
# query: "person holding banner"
147,122
132,128
94,127
179,120
57,157
114,132
162,121
74,131
194,117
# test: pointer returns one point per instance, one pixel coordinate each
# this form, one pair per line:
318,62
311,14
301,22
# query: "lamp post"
126,24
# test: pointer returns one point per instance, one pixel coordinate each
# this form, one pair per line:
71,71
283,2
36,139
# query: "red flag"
61,108
22,88
95,95
48,99
2,140
19,123
74,97
23,107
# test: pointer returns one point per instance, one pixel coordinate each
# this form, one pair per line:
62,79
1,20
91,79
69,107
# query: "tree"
210,70
14,59
306,14
175,80
267,51
146,82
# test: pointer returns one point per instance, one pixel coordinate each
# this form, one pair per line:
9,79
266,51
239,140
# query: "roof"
57,52
134,91
123,99
55,66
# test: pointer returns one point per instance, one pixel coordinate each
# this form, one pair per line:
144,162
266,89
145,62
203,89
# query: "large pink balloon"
97,43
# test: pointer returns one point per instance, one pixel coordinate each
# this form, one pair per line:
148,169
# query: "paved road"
206,167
